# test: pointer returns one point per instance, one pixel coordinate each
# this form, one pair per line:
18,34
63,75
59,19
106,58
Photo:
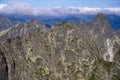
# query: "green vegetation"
106,64
94,76
118,51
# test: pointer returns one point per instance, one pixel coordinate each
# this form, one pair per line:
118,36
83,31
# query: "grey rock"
29,51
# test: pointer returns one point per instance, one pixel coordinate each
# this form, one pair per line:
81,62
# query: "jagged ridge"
63,52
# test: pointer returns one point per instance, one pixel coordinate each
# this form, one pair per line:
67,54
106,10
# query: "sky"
69,3
55,7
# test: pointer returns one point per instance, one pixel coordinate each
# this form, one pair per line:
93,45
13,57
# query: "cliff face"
3,67
29,51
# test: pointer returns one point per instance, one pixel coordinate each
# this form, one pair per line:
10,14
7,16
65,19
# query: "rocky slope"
117,33
98,31
4,23
88,51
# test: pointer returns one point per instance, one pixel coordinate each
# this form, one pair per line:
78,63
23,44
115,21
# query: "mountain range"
5,23
50,20
86,50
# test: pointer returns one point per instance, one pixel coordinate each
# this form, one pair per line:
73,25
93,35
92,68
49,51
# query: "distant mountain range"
113,19
5,23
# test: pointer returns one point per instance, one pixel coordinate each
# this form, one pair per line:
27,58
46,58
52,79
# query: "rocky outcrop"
24,29
117,33
99,33
29,51
117,45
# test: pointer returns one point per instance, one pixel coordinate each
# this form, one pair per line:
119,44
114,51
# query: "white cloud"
19,8
25,8
2,6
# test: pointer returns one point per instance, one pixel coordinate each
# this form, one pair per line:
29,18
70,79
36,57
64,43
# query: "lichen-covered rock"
29,51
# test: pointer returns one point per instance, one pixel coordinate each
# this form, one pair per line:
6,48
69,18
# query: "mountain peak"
100,15
100,25
34,20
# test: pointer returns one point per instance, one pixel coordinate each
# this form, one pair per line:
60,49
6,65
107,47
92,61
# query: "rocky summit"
86,51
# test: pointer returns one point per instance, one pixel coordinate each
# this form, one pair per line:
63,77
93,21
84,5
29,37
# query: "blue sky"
69,3
59,7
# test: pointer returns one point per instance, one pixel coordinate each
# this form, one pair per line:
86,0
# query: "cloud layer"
25,8
2,6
